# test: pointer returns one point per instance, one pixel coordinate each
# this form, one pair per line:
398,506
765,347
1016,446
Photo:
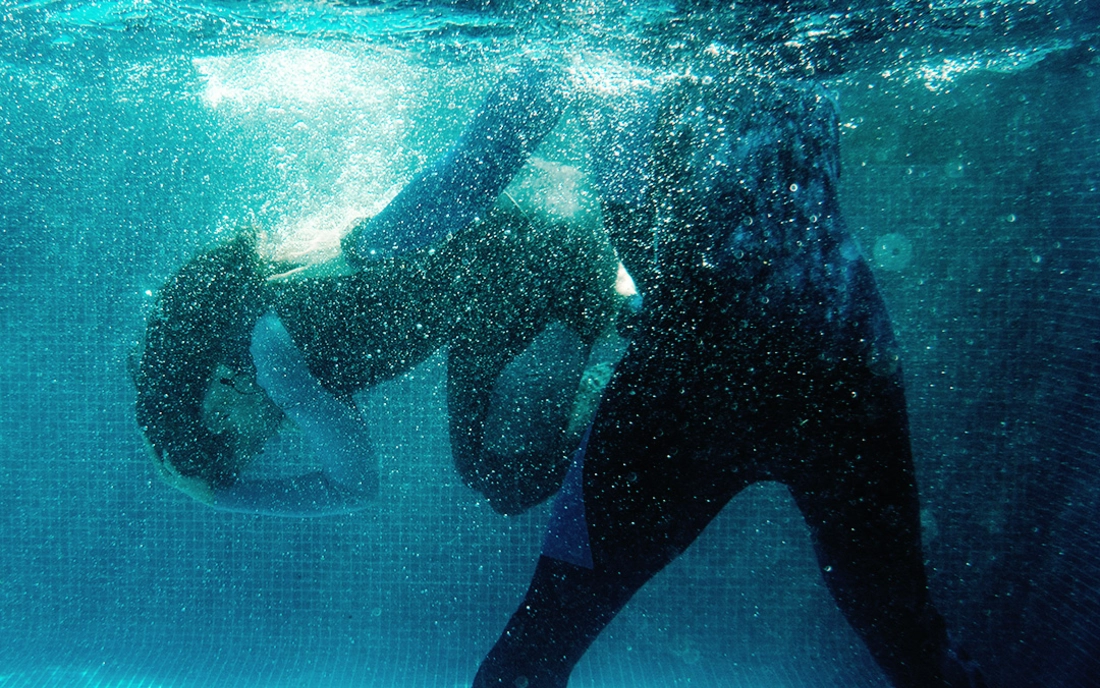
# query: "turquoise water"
136,133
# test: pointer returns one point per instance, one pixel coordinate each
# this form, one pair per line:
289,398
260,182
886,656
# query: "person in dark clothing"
246,379
763,352
243,378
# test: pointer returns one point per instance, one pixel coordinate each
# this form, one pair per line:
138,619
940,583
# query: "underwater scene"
414,343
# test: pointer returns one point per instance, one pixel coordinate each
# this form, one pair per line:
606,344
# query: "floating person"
763,352
243,380
246,383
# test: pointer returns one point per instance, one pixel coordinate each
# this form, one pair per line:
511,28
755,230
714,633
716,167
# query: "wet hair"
204,316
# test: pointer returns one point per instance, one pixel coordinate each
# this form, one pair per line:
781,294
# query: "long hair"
204,316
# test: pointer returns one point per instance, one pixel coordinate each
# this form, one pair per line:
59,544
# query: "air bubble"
893,251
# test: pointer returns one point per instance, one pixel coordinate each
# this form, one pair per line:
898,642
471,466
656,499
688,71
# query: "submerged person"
245,384
764,352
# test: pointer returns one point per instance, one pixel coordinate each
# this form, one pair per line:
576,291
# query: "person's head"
198,404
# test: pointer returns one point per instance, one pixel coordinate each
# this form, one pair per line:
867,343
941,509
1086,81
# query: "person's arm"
333,431
465,182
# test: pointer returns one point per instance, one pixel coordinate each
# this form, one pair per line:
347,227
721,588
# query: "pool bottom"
624,672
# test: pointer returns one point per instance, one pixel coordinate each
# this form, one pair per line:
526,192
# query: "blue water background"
135,133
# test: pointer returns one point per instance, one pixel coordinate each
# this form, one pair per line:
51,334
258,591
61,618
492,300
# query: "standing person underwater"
246,378
763,352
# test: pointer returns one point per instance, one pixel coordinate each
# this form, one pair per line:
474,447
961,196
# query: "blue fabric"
567,533
464,183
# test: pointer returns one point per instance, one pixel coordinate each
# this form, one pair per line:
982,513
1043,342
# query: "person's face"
235,403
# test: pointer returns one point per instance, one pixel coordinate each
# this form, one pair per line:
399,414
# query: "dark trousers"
676,440
765,353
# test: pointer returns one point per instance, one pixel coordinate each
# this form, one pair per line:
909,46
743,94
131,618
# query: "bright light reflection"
296,75
329,124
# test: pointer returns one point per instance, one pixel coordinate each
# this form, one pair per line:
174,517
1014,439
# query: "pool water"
137,133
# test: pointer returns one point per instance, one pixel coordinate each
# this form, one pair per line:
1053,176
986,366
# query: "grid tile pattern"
108,578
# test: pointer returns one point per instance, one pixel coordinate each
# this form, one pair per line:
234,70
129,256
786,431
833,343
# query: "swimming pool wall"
978,203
